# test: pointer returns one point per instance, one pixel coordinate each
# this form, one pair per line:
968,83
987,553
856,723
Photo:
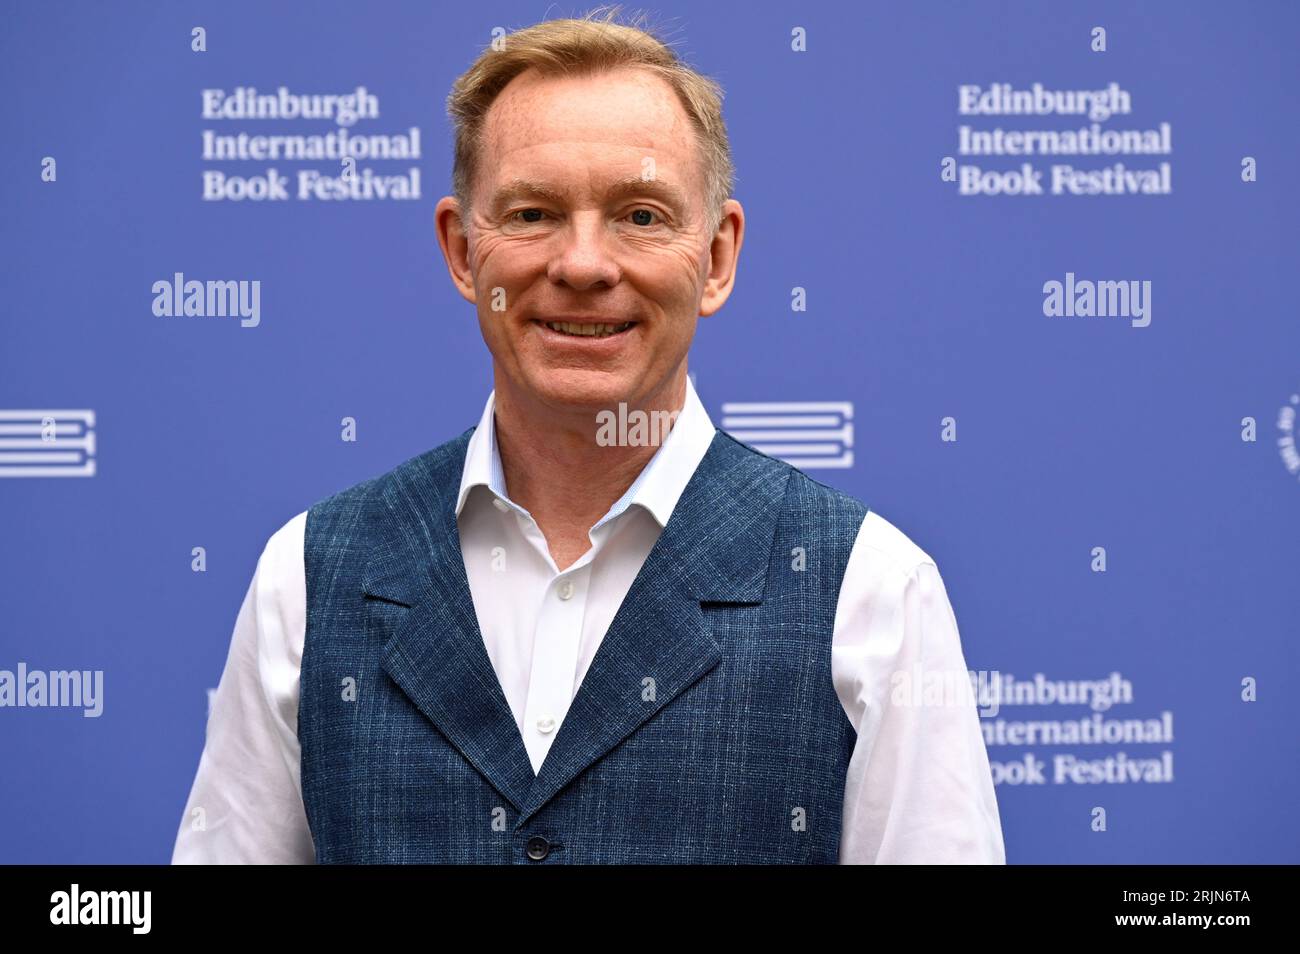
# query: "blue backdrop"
922,304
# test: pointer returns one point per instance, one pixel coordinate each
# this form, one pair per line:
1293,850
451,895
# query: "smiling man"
536,645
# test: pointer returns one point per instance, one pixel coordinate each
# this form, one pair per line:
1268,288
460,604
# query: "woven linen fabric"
706,730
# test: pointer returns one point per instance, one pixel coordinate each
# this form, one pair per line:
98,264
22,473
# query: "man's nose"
584,257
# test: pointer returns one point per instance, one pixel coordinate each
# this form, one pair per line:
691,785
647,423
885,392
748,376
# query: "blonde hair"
584,46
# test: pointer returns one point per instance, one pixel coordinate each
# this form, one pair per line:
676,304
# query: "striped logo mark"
809,435
47,443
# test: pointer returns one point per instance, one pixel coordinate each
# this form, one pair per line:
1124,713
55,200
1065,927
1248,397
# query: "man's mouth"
588,329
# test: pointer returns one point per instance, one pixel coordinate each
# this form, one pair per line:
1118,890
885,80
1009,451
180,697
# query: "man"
537,645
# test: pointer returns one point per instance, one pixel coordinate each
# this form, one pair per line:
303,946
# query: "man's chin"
585,391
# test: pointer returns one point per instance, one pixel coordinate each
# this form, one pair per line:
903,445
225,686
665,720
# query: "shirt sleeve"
245,806
918,789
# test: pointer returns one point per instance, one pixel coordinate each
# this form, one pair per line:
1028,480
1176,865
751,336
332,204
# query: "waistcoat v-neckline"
714,549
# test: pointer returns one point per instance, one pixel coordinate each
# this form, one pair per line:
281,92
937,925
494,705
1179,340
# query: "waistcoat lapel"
436,654
714,549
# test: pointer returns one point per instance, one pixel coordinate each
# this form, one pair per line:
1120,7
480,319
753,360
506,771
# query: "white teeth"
587,330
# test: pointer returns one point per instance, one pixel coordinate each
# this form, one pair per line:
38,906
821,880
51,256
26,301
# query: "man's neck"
557,470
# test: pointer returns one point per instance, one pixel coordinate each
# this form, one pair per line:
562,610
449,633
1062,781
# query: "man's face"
588,215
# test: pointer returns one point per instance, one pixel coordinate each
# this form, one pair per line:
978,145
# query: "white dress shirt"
918,787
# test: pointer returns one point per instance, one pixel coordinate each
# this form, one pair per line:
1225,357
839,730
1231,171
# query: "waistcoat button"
538,848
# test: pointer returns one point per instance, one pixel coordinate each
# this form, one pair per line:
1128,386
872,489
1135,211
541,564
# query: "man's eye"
530,215
643,217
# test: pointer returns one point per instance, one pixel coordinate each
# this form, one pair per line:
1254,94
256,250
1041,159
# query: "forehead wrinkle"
525,109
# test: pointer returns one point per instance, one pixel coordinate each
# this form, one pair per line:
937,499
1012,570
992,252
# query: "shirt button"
566,590
545,725
538,848
500,504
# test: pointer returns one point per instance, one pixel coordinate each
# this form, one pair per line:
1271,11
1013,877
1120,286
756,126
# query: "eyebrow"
519,188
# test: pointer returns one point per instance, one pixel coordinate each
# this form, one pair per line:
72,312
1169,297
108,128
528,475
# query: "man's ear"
455,245
724,254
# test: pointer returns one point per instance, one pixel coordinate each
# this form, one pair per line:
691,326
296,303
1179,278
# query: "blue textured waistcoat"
706,730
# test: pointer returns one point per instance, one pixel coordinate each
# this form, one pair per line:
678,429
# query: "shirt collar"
657,488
